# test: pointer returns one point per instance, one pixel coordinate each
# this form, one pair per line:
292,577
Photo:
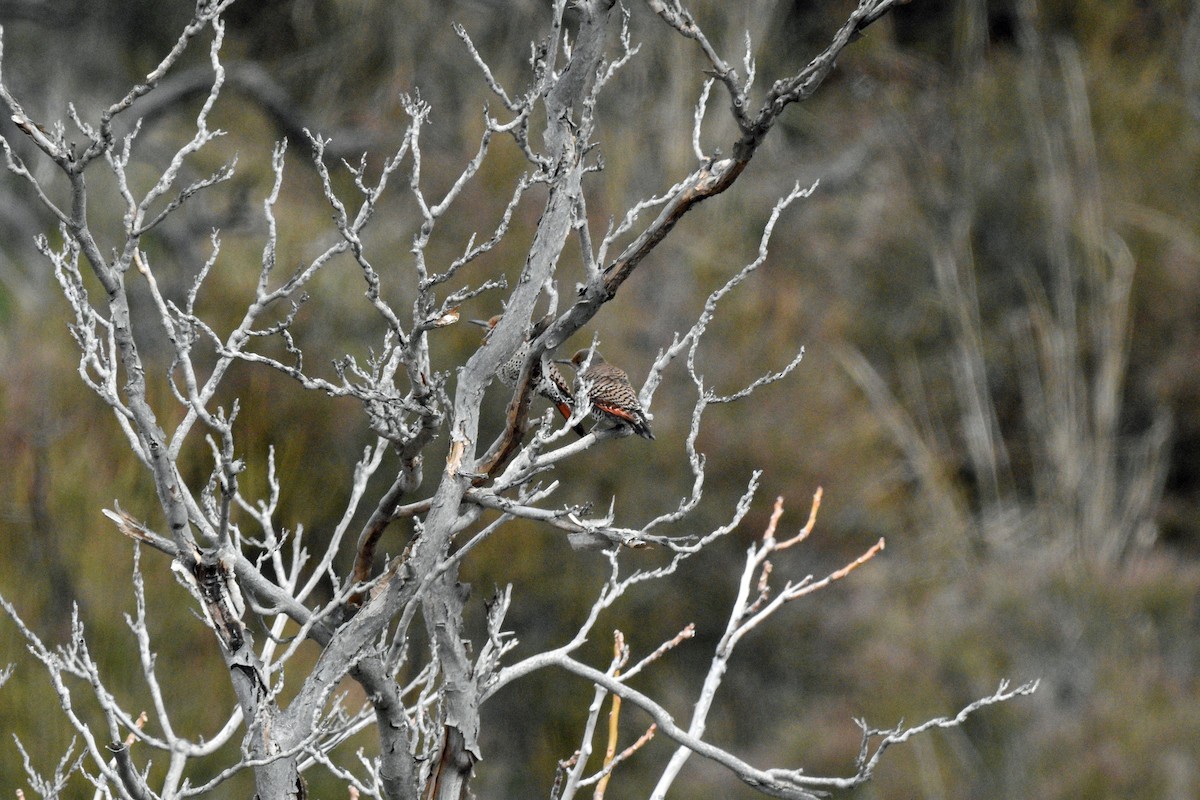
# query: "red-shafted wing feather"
616,411
565,410
612,395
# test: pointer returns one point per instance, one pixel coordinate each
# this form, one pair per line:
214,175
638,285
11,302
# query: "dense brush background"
997,284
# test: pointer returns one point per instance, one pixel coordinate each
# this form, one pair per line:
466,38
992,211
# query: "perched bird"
612,396
549,383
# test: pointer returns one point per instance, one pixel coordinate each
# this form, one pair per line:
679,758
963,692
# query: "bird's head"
582,357
489,324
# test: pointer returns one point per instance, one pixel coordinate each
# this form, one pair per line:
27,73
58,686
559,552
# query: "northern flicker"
612,396
547,382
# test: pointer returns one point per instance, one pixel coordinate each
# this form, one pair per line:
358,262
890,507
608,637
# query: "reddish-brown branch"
776,513
516,424
614,718
839,574
610,765
808,526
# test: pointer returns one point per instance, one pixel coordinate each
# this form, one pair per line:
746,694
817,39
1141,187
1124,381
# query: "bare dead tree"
227,549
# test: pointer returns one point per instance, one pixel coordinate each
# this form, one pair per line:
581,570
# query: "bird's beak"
483,323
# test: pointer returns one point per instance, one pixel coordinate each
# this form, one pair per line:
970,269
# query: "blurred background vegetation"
997,284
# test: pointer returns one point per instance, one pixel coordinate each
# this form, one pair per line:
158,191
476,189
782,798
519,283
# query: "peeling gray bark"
443,608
